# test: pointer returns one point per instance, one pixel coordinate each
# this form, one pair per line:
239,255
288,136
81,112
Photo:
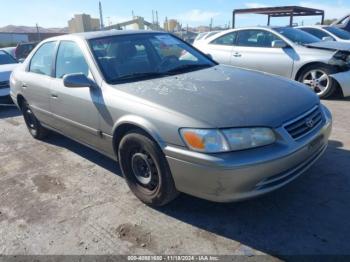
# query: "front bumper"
234,176
5,96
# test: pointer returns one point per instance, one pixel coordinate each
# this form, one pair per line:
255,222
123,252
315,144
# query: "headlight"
214,140
244,138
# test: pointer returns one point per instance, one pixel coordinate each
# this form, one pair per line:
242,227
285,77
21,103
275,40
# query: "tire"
33,124
317,77
146,170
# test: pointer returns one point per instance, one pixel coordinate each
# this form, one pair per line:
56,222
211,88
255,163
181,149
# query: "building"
137,23
83,23
171,25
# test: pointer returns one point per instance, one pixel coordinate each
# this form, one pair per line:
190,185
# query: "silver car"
174,119
287,52
327,33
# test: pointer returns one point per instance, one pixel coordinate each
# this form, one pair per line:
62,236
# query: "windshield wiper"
188,67
136,76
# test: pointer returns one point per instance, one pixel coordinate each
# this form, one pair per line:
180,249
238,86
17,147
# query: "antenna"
157,19
101,15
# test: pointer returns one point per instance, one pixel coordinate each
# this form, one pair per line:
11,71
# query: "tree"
328,21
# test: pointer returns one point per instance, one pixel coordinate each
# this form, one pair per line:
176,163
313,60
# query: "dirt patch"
47,184
3,216
135,234
13,122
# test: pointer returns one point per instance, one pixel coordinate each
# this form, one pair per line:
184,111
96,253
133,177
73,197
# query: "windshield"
139,56
297,36
5,58
201,35
211,34
342,34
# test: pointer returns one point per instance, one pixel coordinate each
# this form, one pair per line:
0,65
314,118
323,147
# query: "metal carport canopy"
280,11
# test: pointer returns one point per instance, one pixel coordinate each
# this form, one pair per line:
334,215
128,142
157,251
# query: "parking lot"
59,197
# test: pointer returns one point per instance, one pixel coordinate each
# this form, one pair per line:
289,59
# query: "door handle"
54,96
24,85
237,54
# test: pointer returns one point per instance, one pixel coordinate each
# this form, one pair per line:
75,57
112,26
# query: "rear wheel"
145,169
35,128
317,77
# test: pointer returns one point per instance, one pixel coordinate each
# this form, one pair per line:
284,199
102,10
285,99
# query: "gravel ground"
59,197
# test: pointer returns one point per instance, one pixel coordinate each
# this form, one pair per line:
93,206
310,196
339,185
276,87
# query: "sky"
56,13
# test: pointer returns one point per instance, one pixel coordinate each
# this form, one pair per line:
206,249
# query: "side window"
318,33
42,60
70,60
228,39
256,38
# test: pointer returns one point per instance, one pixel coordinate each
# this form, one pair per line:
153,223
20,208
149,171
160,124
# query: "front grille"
304,124
4,84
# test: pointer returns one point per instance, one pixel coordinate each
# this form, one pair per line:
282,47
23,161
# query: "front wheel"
35,128
317,77
146,170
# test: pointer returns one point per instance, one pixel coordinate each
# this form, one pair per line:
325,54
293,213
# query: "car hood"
331,45
224,96
5,71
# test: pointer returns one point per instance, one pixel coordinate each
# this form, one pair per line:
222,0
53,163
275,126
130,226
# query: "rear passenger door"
221,48
253,50
36,81
75,109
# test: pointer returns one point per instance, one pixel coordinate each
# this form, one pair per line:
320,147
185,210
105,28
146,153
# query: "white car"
285,51
7,64
326,32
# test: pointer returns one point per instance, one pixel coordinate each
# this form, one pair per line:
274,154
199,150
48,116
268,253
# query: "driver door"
74,109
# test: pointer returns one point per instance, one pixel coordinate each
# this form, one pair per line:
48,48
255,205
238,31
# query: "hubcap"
142,168
29,117
317,80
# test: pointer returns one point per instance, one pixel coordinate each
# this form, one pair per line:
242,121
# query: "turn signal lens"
204,140
194,140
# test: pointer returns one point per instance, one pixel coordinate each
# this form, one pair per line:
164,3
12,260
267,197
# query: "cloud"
197,16
254,5
337,10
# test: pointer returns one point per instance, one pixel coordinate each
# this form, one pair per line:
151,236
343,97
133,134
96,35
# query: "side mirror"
77,81
327,38
21,60
279,44
210,56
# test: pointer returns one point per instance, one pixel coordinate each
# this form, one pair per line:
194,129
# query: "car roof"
101,34
313,26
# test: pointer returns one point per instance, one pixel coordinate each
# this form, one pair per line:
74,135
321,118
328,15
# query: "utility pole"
157,21
38,32
101,15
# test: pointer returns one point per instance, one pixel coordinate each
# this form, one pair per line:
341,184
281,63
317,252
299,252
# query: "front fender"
343,79
142,123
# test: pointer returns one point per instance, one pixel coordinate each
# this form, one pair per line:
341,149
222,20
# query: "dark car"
23,49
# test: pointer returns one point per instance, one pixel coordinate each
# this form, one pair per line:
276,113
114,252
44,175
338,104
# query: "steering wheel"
166,61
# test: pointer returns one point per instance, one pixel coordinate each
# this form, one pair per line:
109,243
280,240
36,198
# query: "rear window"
42,60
